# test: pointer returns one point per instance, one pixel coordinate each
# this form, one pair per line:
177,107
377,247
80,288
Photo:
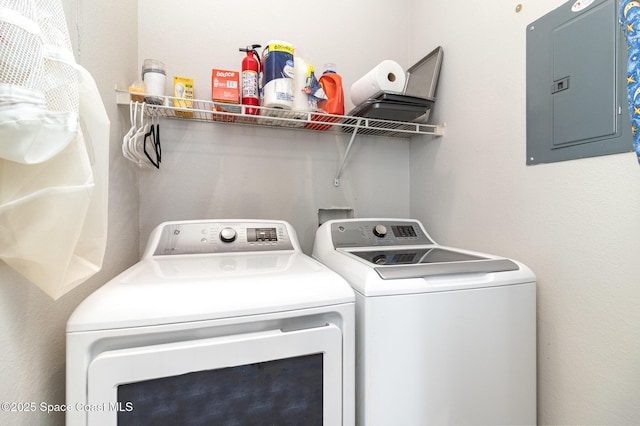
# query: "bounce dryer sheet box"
183,94
225,89
225,86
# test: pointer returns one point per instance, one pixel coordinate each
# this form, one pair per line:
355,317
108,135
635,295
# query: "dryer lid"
179,289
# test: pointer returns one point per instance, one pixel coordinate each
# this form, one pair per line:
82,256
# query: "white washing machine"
222,322
443,336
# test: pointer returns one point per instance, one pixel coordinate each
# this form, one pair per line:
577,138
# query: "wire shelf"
219,112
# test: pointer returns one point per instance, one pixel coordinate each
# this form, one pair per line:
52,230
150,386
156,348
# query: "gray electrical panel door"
576,84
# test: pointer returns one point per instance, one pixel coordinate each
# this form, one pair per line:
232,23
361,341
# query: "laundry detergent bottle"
331,83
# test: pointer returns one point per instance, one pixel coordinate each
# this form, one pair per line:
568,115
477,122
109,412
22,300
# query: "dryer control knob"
380,231
228,235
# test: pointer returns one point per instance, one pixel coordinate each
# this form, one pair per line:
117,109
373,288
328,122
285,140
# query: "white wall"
574,223
32,325
222,171
225,171
208,170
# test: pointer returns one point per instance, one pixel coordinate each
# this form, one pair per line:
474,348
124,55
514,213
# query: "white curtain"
54,136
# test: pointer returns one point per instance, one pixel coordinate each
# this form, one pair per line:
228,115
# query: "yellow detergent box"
183,94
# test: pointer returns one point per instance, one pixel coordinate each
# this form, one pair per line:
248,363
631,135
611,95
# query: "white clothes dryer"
222,322
443,336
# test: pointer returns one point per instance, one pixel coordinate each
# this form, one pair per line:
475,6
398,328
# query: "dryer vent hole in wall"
334,213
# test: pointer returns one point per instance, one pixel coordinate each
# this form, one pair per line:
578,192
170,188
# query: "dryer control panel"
378,232
200,237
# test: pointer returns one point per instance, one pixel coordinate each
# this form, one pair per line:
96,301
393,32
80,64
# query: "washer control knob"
380,260
380,231
228,235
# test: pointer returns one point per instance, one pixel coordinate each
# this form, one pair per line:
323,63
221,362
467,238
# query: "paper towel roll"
278,94
277,75
387,75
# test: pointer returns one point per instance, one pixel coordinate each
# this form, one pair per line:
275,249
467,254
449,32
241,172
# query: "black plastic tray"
391,110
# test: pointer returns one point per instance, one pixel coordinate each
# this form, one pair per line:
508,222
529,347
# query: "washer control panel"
378,232
174,238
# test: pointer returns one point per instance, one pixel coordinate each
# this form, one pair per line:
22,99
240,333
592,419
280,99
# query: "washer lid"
431,261
174,289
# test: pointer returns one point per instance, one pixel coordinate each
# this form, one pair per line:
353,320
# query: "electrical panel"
576,83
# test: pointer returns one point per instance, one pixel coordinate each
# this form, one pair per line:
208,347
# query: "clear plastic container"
154,76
